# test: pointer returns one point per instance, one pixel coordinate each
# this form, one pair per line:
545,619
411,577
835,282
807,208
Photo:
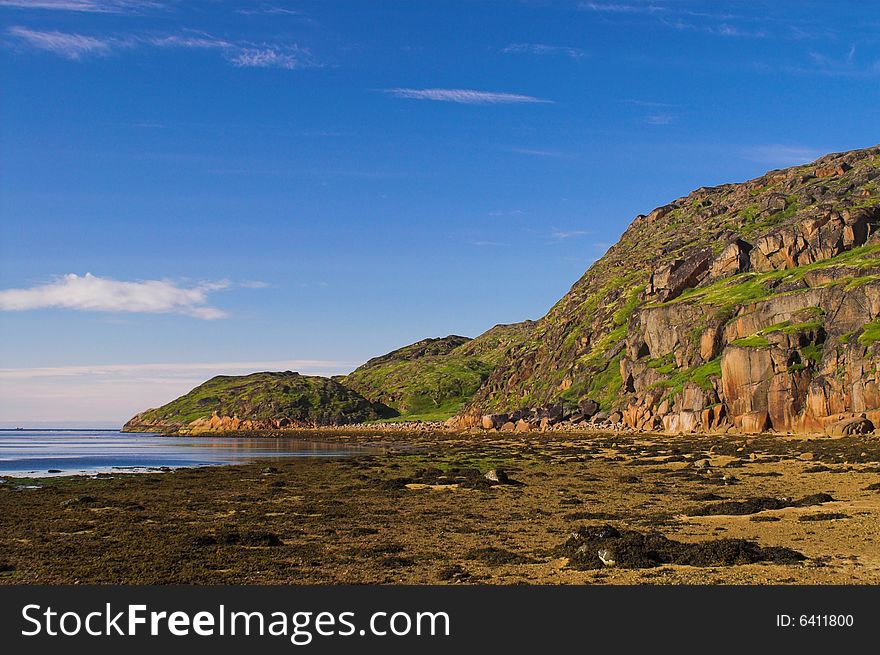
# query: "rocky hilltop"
748,307
429,380
257,402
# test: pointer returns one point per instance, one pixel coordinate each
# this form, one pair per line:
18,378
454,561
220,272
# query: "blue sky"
305,185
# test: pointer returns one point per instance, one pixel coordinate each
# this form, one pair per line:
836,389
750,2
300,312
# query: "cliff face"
753,306
261,401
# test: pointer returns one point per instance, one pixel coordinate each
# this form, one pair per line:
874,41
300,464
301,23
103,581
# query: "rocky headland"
739,308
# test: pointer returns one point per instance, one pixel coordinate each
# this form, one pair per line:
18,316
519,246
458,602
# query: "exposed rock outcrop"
747,307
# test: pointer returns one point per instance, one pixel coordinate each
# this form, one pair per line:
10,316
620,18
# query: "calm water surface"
33,453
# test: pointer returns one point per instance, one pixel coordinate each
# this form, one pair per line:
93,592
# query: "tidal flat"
418,509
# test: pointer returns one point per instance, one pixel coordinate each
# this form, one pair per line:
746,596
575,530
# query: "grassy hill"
266,400
432,379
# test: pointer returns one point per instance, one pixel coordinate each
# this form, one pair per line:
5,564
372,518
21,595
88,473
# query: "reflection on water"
31,453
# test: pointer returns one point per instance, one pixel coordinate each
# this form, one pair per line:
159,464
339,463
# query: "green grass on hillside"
433,384
269,396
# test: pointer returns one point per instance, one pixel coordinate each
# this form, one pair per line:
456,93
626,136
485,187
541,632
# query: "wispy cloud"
267,10
63,44
649,103
506,212
723,29
659,119
465,96
561,235
780,154
100,294
679,16
242,54
543,49
537,152
621,8
86,6
266,58
847,64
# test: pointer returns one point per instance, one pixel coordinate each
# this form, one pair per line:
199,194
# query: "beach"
419,510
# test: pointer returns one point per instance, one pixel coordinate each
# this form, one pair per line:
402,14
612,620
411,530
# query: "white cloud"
88,6
535,152
781,154
241,54
543,49
99,294
621,8
560,235
267,10
649,103
69,46
724,29
465,96
505,212
264,58
659,119
200,41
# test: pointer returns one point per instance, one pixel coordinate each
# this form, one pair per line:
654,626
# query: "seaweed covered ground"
571,509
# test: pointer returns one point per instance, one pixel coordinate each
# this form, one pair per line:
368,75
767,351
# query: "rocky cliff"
751,306
261,401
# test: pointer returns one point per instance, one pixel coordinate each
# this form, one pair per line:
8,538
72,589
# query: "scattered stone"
497,475
79,500
607,557
453,573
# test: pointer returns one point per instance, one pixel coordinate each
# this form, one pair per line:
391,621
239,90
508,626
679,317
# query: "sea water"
34,453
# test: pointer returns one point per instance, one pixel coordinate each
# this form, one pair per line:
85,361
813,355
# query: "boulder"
832,170
732,260
588,407
847,427
668,281
497,475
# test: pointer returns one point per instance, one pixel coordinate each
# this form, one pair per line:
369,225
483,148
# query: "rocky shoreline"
583,419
